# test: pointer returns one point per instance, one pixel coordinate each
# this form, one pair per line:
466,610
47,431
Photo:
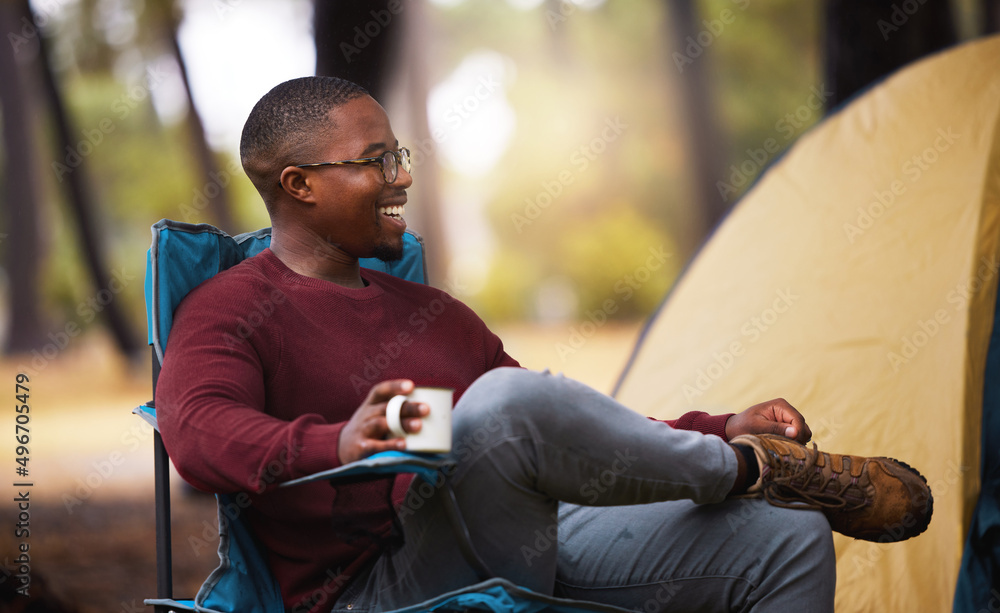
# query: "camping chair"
183,255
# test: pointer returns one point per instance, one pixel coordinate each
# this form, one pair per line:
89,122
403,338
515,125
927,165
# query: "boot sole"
922,520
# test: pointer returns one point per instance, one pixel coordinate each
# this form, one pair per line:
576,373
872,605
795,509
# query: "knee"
506,386
501,401
503,389
807,543
793,557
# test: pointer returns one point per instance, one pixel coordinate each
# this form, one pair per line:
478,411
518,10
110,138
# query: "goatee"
388,253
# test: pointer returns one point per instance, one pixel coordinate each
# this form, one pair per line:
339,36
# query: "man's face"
356,210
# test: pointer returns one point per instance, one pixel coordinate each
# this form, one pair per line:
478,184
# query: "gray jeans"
567,492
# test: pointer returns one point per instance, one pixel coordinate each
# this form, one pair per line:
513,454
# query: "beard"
387,252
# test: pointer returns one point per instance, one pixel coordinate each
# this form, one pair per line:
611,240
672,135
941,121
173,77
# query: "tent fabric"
857,279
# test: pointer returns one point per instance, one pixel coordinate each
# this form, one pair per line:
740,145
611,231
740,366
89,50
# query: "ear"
296,182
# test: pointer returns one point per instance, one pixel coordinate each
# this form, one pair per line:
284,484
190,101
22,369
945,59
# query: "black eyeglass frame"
401,158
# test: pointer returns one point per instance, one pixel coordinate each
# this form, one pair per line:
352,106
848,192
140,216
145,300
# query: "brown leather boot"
875,499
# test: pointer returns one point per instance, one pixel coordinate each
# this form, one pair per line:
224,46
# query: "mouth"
394,212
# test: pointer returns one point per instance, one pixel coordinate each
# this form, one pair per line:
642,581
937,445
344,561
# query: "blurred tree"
72,174
207,166
359,41
559,43
427,216
866,40
991,16
704,139
21,245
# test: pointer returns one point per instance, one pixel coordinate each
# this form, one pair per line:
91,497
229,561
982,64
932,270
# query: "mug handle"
392,409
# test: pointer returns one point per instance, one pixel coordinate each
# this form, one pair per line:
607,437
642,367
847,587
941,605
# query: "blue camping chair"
183,255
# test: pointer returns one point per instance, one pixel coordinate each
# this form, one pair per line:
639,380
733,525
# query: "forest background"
570,157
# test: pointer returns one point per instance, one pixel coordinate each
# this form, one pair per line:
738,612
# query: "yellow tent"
858,280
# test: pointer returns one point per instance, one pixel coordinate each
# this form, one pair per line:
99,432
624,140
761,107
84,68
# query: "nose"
403,178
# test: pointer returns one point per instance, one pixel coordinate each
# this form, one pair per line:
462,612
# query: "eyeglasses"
389,162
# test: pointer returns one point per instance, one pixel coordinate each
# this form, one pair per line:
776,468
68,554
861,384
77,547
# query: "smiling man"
564,491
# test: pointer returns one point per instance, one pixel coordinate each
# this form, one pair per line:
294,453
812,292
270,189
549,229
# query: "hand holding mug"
366,431
434,435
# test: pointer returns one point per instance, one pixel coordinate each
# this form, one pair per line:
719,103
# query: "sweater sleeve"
210,402
495,353
699,421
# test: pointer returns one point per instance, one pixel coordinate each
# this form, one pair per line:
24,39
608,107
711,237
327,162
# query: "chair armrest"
386,463
148,414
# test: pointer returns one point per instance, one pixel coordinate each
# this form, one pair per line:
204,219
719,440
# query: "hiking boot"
875,499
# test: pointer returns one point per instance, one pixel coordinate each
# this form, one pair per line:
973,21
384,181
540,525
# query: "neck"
311,256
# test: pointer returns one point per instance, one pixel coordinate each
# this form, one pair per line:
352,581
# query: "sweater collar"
275,268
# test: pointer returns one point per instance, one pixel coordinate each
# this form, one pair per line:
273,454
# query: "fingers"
410,420
372,446
409,412
794,423
384,390
367,431
805,433
799,431
414,410
772,417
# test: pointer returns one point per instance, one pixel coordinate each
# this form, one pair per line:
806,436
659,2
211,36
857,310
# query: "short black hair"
285,125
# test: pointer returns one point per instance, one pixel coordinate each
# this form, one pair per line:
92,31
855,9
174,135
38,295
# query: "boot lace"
799,483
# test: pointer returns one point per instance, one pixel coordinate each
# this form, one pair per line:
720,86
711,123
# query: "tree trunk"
868,39
358,41
208,168
705,141
991,16
428,219
21,245
70,168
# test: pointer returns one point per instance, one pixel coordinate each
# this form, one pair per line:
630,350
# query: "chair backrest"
181,257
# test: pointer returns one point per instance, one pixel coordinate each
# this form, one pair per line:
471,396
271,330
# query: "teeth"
391,210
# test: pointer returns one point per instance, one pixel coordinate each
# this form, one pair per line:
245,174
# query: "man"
247,410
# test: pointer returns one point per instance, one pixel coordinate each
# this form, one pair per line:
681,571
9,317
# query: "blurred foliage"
570,203
140,171
595,177
110,62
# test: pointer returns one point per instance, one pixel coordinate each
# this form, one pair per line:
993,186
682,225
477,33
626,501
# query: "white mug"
435,431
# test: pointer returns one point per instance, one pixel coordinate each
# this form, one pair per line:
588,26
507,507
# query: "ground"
91,519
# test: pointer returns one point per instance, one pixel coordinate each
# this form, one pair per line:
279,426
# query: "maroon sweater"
264,367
